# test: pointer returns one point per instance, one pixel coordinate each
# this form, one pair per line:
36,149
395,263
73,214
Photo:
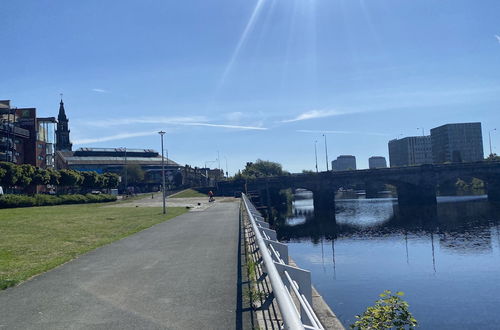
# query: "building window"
40,146
40,157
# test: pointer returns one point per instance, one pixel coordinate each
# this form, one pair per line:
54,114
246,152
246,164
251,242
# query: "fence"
291,285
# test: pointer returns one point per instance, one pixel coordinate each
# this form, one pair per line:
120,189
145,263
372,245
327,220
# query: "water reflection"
440,256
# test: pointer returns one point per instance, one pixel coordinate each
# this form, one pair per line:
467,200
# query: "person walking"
210,196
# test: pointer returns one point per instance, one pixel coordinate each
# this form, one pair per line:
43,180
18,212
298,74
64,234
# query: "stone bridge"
415,184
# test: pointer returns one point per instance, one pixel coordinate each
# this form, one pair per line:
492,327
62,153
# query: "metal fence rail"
288,282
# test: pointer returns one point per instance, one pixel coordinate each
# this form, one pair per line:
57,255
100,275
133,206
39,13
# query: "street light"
163,171
489,136
326,152
316,154
423,131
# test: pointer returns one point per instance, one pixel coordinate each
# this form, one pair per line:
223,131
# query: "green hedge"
11,201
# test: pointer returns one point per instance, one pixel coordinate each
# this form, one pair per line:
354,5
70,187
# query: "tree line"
26,175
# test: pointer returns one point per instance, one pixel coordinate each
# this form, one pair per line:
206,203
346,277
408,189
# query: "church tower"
62,131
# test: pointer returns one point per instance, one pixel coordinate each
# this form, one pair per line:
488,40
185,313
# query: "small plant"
389,312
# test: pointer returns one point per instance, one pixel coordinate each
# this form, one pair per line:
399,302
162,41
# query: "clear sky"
254,78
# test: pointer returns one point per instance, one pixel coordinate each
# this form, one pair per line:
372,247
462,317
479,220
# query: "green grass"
36,239
188,193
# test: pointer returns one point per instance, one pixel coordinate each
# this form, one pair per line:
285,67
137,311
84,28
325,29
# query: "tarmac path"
179,274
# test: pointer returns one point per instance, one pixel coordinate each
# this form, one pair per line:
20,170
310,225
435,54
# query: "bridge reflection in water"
440,255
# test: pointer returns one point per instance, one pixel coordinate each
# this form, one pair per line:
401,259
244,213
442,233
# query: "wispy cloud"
341,132
99,90
497,37
121,136
258,128
313,114
171,121
143,120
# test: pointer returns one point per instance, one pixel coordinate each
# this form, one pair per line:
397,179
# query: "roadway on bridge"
180,274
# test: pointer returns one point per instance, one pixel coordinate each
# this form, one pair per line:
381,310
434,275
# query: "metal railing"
285,279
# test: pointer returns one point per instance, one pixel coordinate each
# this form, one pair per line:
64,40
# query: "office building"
412,150
377,162
457,143
344,163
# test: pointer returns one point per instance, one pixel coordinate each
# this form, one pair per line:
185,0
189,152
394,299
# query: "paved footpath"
180,274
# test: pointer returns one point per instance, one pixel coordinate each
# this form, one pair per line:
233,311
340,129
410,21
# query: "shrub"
12,201
389,312
42,200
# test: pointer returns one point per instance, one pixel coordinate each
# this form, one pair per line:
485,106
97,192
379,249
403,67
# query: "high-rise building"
412,150
344,163
62,132
457,143
377,162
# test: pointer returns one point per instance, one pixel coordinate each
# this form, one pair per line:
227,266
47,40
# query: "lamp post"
326,152
163,171
423,131
489,136
227,171
316,154
126,172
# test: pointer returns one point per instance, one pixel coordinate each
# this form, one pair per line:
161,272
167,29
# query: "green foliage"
134,174
70,178
389,312
13,201
12,174
110,180
55,177
493,157
91,179
41,177
261,168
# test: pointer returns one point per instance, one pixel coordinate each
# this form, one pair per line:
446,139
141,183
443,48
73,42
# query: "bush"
389,312
42,200
12,201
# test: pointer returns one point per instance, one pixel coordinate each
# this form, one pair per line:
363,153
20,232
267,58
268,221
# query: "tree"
41,177
12,174
27,173
134,174
90,179
111,180
262,168
70,178
493,157
54,176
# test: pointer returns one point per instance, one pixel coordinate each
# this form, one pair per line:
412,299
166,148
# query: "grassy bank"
188,193
34,240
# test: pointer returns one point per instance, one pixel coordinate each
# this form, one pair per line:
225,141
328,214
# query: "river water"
446,259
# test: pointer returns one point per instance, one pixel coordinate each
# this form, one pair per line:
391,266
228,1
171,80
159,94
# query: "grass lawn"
36,239
188,193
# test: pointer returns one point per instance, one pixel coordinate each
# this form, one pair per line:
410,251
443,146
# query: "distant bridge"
415,184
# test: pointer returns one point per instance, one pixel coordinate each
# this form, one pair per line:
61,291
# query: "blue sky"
254,78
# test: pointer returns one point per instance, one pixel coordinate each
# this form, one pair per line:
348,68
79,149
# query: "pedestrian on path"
210,196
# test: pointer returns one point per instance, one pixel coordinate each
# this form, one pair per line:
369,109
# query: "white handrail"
288,309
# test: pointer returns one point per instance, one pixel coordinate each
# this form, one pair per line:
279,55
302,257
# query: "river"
446,259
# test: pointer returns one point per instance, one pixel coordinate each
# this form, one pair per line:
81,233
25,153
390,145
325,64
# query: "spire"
62,113
62,131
